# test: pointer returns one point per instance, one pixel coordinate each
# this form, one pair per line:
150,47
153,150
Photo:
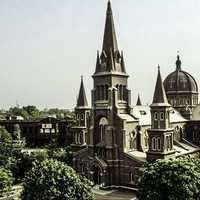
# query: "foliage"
6,180
17,132
28,112
7,154
24,162
61,154
53,179
32,112
5,136
171,180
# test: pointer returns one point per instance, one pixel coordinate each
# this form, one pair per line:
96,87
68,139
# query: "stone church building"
113,139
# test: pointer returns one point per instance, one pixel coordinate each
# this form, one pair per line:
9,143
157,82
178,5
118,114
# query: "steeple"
122,62
178,63
82,100
97,63
110,40
110,60
139,103
159,93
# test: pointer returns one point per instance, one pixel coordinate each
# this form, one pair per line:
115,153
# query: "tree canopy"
52,179
5,136
171,180
32,112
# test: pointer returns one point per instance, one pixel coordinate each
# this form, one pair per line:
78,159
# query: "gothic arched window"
154,143
106,87
158,143
155,116
124,92
98,93
162,116
103,122
101,92
120,92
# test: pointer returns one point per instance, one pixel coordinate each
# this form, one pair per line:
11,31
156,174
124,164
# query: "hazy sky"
45,46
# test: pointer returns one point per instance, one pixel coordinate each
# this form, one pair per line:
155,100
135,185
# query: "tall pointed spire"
97,63
110,40
159,93
139,103
122,62
110,60
82,100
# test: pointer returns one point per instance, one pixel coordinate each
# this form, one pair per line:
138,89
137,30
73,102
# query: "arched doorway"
96,175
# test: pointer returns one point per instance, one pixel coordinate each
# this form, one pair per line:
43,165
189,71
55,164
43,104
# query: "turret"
160,133
82,113
139,103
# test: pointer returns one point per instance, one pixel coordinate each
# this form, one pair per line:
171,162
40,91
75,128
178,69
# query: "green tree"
17,132
52,179
24,162
5,136
32,111
170,180
61,154
15,111
28,112
6,180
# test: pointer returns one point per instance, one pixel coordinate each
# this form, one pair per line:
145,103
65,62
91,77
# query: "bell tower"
110,75
80,135
160,133
110,94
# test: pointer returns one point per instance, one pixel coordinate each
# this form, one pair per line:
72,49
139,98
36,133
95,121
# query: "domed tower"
181,90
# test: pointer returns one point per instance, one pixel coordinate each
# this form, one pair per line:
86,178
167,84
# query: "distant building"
40,132
112,140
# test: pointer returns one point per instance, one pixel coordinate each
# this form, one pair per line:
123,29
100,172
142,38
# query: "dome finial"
178,62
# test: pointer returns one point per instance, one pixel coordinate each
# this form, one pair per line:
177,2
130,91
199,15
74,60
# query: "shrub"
61,154
6,180
52,179
24,162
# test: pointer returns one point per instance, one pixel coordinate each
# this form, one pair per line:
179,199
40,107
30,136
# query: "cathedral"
112,139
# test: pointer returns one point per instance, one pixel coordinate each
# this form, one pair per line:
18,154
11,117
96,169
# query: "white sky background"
46,45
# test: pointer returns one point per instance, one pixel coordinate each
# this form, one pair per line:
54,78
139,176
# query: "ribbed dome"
180,81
